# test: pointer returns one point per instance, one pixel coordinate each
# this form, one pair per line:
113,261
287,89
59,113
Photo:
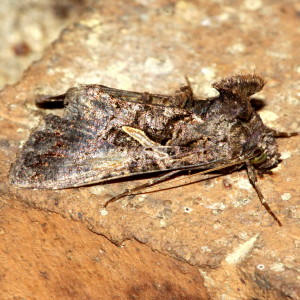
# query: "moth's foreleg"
283,134
253,179
151,182
184,98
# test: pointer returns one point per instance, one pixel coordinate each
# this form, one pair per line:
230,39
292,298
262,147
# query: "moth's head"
269,156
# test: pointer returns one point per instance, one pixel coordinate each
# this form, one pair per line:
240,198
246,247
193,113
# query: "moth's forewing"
87,145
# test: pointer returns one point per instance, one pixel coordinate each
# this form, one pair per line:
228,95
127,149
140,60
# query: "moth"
107,133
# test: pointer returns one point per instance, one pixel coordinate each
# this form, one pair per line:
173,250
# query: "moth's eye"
259,159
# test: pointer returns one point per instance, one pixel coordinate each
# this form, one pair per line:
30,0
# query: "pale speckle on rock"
141,197
97,189
103,212
188,11
294,125
268,116
205,249
285,155
236,48
21,96
240,202
207,22
217,226
243,235
91,22
253,4
93,78
260,267
277,267
244,183
217,205
93,39
286,196
162,223
222,241
20,130
294,213
116,71
240,253
223,17
293,100
297,243
158,66
12,106
298,69
278,55
50,71
187,210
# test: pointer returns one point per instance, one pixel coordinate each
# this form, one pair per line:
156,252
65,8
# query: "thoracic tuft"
243,85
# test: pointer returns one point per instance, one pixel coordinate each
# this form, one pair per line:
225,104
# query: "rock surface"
24,36
218,224
44,256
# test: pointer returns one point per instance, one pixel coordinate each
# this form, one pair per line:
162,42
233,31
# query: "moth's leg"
189,85
253,179
184,98
151,182
147,98
283,134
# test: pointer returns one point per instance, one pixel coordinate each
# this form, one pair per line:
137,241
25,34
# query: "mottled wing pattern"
61,154
85,145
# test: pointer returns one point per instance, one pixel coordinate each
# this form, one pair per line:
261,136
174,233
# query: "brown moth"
107,133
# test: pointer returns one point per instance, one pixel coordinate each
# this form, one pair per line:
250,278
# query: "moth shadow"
257,103
50,102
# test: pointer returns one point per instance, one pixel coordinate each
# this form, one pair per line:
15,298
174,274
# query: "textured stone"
44,256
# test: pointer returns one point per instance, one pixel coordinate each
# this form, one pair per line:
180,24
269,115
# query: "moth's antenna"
253,179
220,167
153,181
168,175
